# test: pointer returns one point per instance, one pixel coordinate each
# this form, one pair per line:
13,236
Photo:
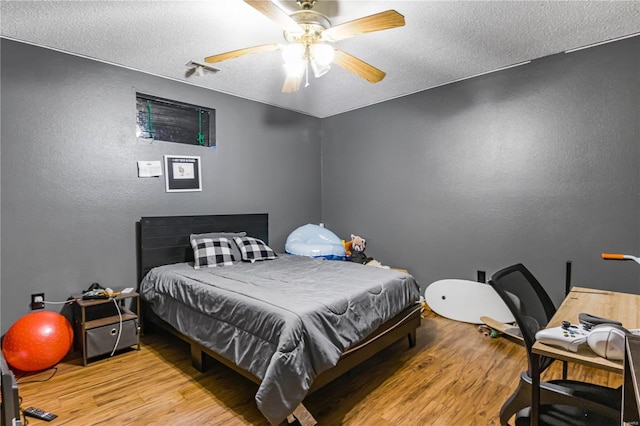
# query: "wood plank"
454,375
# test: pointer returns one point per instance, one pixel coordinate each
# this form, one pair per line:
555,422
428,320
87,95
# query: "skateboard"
496,328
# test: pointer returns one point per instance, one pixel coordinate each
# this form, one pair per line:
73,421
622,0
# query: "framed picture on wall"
182,173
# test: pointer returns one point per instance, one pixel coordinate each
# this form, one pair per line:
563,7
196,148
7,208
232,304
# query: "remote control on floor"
39,414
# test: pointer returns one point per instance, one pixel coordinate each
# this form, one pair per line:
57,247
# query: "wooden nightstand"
99,328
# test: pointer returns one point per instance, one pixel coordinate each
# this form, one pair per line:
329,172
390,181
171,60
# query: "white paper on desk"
149,168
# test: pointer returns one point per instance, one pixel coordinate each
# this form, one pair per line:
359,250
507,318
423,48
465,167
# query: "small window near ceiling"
172,121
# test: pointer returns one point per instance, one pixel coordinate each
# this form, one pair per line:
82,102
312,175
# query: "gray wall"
70,192
538,164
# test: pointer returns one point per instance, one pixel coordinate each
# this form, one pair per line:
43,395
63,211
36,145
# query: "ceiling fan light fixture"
292,53
319,70
322,54
295,68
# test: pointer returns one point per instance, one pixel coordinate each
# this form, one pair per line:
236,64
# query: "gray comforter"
285,320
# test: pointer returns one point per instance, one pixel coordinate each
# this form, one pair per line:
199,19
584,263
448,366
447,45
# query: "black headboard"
165,239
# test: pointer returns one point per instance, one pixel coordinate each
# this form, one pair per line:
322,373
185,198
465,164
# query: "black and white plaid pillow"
211,252
253,249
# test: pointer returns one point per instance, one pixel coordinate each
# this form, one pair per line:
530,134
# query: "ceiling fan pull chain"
306,70
150,124
200,135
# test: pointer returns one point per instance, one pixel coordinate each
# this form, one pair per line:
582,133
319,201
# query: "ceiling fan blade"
241,52
291,83
358,67
379,21
273,12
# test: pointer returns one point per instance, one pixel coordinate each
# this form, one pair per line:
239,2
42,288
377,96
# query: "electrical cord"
66,302
55,371
115,346
25,422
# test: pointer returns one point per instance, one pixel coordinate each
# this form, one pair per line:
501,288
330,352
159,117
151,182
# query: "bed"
289,323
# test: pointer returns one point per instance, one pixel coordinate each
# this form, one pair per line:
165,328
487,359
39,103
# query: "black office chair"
562,402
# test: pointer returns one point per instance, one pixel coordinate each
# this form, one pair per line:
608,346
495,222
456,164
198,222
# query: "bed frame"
165,240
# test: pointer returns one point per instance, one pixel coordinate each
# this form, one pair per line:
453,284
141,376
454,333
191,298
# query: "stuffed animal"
357,249
347,248
355,252
357,243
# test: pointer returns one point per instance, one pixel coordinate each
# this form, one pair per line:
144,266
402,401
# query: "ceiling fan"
307,34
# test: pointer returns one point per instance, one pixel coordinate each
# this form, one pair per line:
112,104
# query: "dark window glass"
171,121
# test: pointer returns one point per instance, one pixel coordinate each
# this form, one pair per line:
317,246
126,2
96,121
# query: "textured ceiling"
442,41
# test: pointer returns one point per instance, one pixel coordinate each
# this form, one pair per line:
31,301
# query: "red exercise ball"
37,341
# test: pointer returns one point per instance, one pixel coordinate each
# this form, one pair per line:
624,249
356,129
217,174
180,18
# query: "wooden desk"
622,307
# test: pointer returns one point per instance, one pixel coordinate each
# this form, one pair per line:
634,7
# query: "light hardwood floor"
454,376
